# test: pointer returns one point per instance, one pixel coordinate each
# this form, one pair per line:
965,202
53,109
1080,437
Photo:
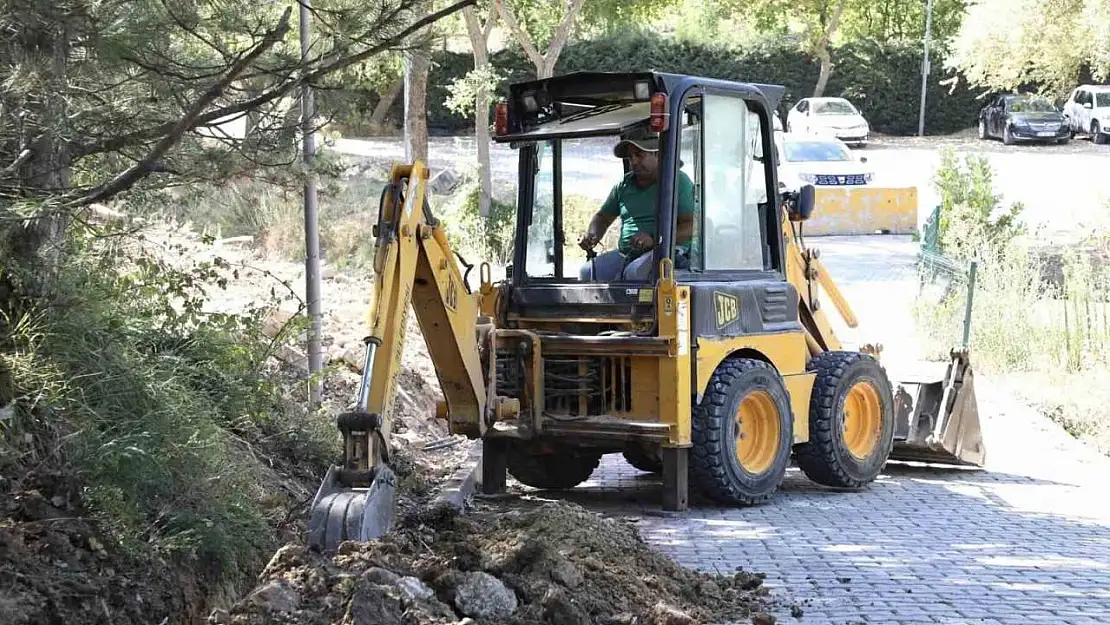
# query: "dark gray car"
1022,117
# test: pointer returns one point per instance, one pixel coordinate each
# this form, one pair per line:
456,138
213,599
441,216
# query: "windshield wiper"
606,108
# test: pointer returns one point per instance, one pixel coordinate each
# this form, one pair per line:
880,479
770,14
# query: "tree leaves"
1012,44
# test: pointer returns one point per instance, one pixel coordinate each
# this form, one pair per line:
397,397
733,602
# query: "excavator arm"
414,268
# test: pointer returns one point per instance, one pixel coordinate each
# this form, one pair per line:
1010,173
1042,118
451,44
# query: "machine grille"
575,386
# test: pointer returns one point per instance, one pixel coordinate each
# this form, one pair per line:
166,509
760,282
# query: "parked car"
820,161
1023,117
1087,110
835,117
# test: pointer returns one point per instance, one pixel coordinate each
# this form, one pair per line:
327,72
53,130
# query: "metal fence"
946,285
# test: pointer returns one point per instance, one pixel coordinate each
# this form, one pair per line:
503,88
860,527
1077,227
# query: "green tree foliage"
1045,44
882,78
898,20
174,69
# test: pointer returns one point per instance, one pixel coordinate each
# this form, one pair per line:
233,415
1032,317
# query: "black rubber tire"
1007,136
982,130
554,471
643,460
825,458
1098,136
714,468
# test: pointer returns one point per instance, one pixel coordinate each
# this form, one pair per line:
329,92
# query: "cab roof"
584,104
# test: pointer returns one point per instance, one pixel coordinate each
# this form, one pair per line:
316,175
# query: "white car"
836,117
819,161
1087,111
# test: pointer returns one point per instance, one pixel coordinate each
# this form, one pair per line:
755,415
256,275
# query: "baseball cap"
641,138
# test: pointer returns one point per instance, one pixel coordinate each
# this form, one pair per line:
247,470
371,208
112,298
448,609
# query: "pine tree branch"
133,174
273,93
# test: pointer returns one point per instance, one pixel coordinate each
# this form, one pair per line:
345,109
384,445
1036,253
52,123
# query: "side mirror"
863,159
1087,105
799,204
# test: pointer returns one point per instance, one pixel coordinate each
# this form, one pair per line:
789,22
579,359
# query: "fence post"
970,296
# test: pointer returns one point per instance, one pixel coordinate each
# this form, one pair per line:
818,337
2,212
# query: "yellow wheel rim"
863,420
757,432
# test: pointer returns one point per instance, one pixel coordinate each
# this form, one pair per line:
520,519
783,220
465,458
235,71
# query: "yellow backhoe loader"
716,369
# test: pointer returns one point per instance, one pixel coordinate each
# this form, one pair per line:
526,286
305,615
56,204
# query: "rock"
663,614
275,596
378,575
710,589
413,589
566,574
219,617
276,322
376,605
480,595
285,558
327,272
762,618
560,608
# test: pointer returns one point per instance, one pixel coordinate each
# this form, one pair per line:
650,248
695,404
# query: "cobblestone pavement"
1025,541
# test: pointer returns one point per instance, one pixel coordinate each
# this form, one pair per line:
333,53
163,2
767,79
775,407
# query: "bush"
972,222
1020,321
150,405
883,79
488,239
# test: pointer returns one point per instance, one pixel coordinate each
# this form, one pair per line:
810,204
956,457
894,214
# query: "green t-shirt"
636,206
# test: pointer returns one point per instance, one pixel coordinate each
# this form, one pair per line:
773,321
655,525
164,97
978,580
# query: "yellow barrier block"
863,210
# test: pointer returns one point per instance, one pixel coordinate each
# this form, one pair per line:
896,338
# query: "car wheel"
982,129
1097,135
1007,137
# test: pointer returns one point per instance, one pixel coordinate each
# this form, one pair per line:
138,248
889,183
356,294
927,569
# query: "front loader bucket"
937,416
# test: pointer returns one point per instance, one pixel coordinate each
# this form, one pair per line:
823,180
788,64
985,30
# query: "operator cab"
715,132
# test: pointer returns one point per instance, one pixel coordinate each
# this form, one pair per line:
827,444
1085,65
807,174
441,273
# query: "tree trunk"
39,163
823,76
544,63
547,68
479,39
481,137
377,118
417,63
821,48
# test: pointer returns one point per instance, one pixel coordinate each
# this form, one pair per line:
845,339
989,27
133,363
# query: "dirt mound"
501,564
55,566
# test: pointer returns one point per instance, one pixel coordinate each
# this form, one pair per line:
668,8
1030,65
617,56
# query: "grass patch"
1039,318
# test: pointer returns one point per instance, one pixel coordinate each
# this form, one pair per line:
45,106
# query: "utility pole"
925,66
311,221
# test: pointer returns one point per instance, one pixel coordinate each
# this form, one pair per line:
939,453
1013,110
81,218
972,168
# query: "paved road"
1025,541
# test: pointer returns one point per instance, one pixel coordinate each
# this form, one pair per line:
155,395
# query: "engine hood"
838,121
1037,117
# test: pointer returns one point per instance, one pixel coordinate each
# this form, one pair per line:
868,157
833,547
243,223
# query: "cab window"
733,190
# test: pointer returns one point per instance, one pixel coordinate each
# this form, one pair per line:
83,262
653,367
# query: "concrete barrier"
864,210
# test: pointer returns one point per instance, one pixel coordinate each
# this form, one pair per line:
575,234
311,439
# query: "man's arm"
598,225
685,230
602,219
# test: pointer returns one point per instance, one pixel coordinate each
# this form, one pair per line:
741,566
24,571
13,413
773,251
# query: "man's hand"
588,241
642,241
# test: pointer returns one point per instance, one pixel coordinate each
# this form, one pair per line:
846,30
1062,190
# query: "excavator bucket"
936,414
340,513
